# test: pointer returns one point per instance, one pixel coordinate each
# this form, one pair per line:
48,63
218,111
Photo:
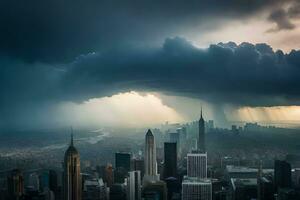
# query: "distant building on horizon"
72,189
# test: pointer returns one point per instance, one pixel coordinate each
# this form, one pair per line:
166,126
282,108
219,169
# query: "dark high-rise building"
154,190
15,183
72,177
53,181
123,161
44,180
282,174
173,188
201,138
117,192
170,160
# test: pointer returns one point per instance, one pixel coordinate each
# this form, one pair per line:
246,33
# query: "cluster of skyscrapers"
181,174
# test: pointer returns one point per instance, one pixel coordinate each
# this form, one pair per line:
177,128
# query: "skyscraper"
170,160
134,185
53,181
72,177
195,185
123,166
282,174
15,185
123,160
197,165
150,158
201,137
138,165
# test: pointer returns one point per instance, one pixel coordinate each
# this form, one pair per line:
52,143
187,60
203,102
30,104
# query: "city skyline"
169,100
184,168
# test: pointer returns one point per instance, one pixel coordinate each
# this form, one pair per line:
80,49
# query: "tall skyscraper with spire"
196,185
201,137
72,177
150,158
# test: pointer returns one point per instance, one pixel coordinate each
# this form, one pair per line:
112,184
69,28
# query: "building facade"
196,189
150,158
134,185
170,160
72,178
197,165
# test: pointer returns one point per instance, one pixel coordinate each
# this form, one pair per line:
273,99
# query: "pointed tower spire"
201,137
72,141
201,112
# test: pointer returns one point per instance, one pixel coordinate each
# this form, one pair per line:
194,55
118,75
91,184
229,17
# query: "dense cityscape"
149,100
171,163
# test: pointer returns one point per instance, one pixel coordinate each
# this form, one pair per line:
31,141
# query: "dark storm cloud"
283,17
25,89
226,73
57,30
244,74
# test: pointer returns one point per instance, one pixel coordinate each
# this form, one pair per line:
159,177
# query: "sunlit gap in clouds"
286,116
125,109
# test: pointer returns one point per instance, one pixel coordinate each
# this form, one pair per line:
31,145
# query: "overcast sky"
62,62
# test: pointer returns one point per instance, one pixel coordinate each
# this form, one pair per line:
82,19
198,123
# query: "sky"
139,63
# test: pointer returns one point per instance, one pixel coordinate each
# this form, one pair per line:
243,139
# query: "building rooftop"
241,169
197,153
149,133
195,180
239,182
93,182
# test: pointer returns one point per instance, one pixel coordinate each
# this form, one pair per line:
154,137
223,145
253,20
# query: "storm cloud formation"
57,51
244,74
56,30
225,73
283,16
